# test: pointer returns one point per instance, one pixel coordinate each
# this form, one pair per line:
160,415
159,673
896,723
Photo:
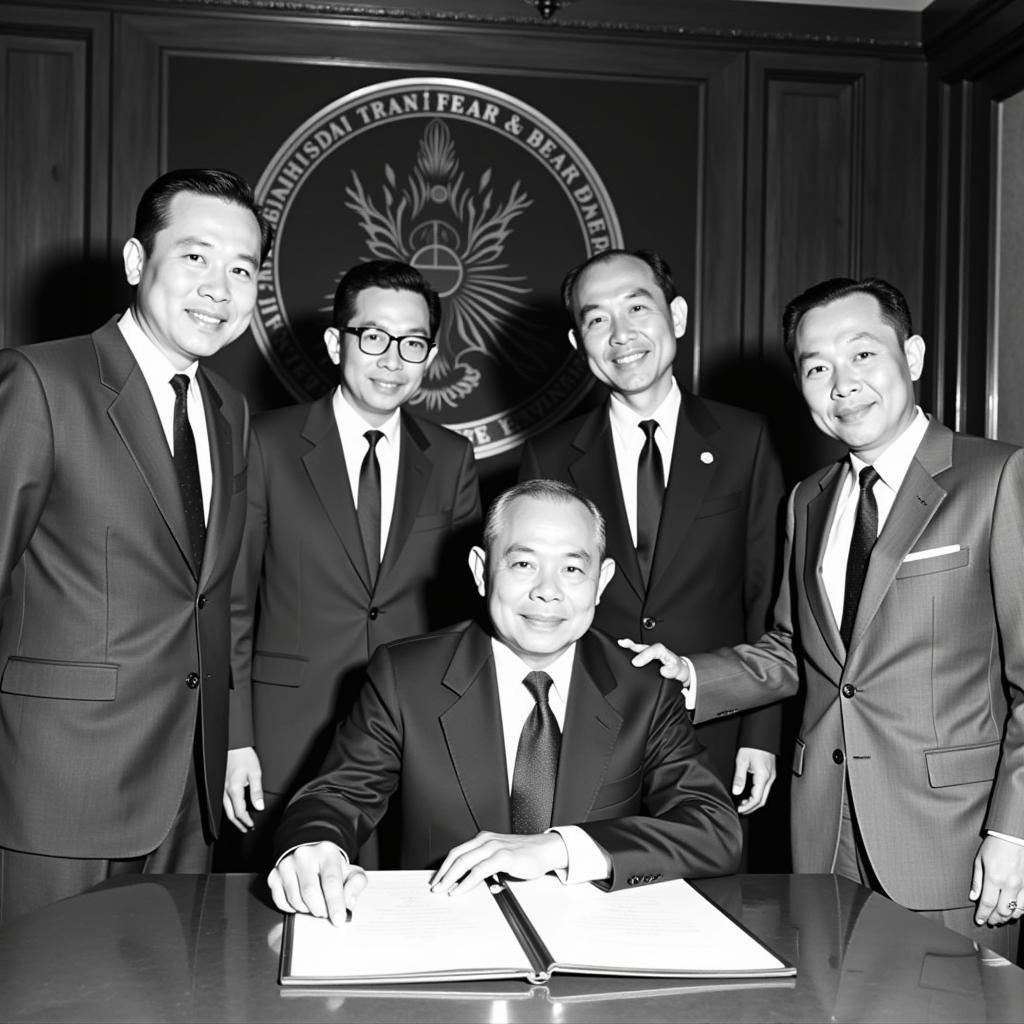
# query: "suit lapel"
135,419
596,474
219,431
473,732
589,733
688,480
414,469
325,464
820,513
917,501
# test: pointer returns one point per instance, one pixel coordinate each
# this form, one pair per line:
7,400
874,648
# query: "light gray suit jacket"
114,646
925,712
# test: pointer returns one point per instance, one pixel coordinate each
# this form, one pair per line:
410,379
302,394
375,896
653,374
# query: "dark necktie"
650,491
369,502
533,780
865,532
187,466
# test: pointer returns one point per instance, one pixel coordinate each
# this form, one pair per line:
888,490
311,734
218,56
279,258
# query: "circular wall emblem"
486,196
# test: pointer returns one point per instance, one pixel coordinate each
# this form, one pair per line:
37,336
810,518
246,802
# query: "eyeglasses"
375,341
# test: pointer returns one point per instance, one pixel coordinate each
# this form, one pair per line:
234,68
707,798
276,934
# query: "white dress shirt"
892,466
628,439
157,370
351,428
587,862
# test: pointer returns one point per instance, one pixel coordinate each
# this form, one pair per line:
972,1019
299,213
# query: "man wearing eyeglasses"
360,519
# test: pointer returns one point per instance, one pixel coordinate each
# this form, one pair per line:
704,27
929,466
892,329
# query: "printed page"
401,931
666,929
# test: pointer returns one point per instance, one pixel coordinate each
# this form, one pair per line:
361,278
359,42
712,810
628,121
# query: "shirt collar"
508,665
626,421
155,366
352,424
893,463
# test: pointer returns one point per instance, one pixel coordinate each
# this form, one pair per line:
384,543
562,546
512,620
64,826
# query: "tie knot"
372,437
868,478
649,427
538,683
180,384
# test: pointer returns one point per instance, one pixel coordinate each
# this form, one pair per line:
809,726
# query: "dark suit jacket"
428,725
925,712
714,569
306,617
111,641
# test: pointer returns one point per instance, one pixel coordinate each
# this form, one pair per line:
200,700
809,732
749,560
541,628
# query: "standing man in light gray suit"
123,466
902,606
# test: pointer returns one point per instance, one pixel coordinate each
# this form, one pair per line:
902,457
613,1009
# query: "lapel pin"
707,458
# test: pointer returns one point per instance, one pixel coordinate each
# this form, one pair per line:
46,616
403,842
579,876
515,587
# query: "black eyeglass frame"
360,331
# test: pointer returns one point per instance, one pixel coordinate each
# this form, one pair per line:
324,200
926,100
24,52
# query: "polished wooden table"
205,948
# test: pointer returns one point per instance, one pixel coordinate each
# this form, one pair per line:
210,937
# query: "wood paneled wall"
812,150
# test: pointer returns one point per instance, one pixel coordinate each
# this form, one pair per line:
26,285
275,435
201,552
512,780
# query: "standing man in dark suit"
493,739
902,608
360,519
693,512
123,467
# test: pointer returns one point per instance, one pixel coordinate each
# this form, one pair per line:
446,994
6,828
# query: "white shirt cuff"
587,861
1016,840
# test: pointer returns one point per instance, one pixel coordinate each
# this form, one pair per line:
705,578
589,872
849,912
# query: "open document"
402,932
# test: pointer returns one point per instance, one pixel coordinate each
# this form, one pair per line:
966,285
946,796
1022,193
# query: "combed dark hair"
153,211
659,267
393,274
893,306
546,490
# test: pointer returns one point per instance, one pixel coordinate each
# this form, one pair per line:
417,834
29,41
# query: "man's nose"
845,381
546,587
215,284
389,358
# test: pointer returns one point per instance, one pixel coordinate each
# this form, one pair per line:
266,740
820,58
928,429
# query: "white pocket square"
916,556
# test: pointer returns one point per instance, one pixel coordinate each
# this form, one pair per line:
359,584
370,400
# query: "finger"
452,877
453,855
332,885
356,882
256,789
987,905
291,886
977,876
237,795
631,645
282,900
739,777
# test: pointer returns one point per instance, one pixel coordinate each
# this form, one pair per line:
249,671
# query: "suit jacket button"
648,622
192,680
374,612
632,880
837,756
849,689
202,601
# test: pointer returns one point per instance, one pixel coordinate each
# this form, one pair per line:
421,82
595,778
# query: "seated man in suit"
901,607
492,739
360,516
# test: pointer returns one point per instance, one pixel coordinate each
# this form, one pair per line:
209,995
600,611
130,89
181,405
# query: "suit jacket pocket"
436,521
618,791
799,748
278,669
940,563
60,680
716,506
957,766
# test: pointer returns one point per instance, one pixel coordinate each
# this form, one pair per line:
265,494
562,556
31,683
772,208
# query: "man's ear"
604,577
332,342
679,310
913,349
572,339
134,256
478,567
